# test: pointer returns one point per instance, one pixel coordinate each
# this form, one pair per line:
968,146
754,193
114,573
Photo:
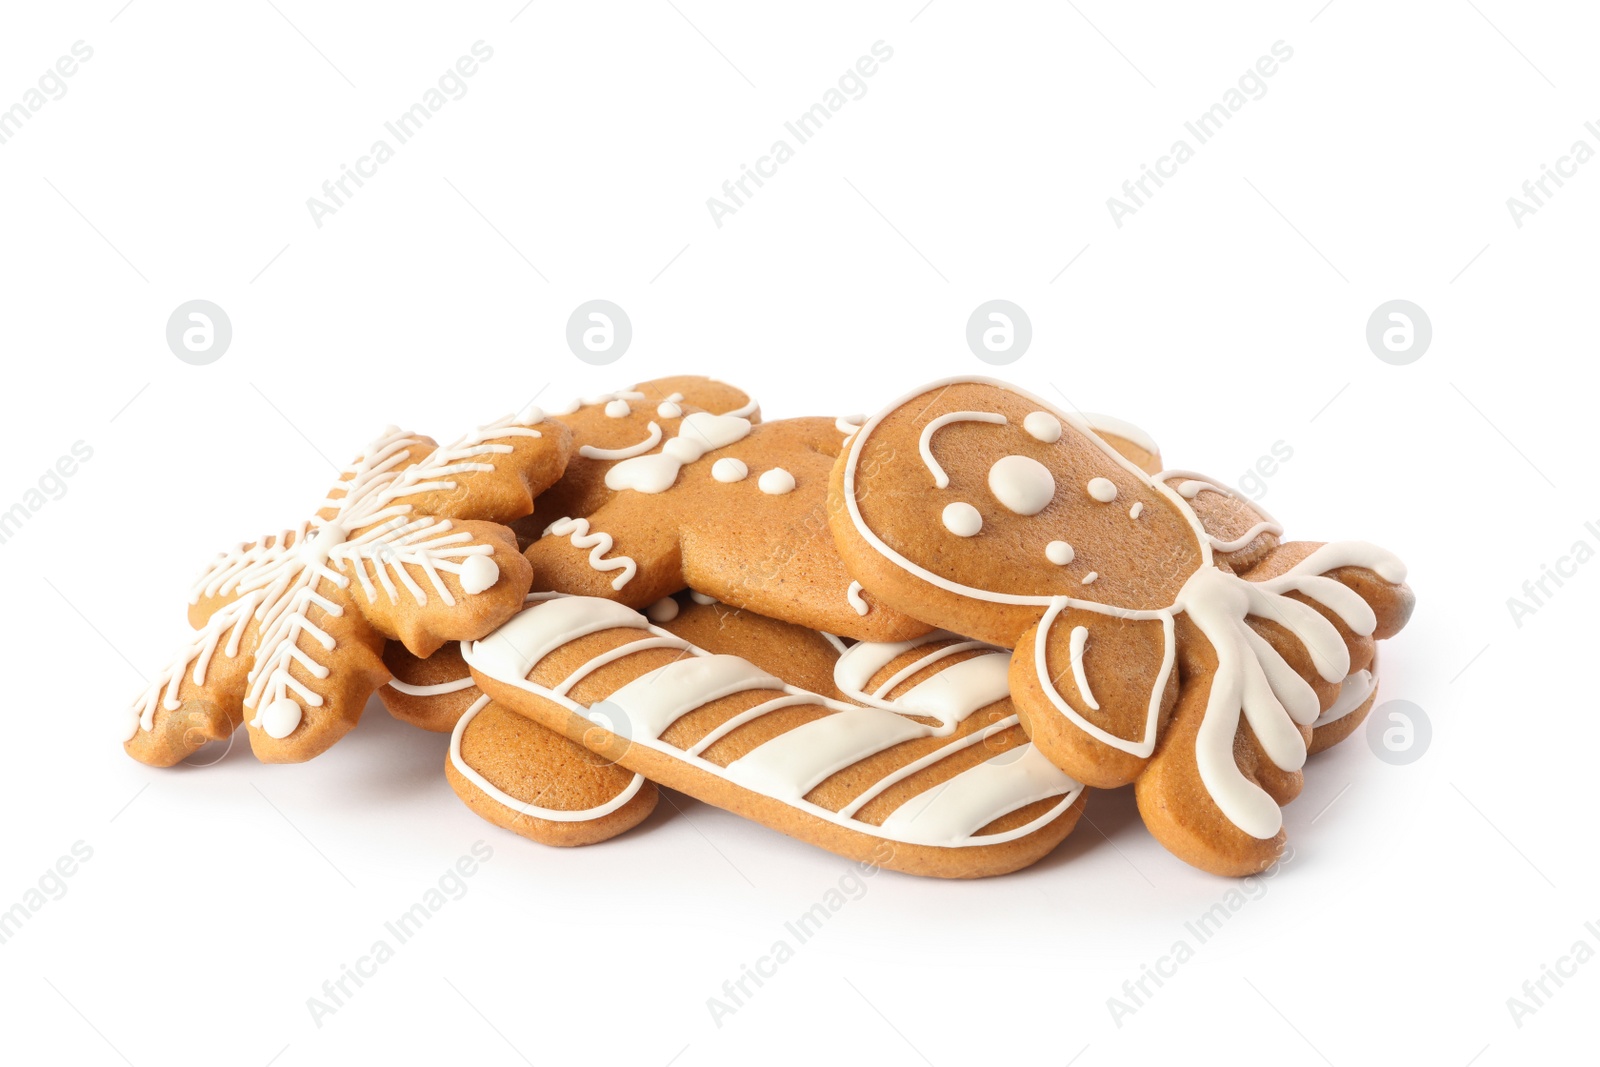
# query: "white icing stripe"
1352,694
440,689
749,715
1078,641
654,701
938,754
857,601
523,807
883,691
1103,424
599,544
941,480
1263,527
800,759
594,452
510,652
794,763
644,644
960,689
979,795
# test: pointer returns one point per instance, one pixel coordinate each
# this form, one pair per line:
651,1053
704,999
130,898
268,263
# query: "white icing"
618,409
478,573
1078,642
979,795
599,544
453,686
1042,426
728,469
1088,579
698,434
791,764
962,519
663,610
1137,509
650,441
1353,693
1102,489
848,424
857,601
1107,424
279,718
941,480
701,598
1060,553
669,408
522,807
1022,484
1247,682
775,482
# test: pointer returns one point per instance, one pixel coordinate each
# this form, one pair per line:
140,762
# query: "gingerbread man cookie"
933,777
407,546
1162,633
612,427
734,509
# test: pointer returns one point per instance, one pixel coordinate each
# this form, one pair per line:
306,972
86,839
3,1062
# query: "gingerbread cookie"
407,546
1163,634
612,427
734,509
937,769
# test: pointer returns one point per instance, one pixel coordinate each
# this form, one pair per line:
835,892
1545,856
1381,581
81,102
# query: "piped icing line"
1078,642
1354,692
698,433
650,441
596,400
789,765
1109,424
848,424
524,807
941,480
857,601
1242,685
599,543
370,535
452,686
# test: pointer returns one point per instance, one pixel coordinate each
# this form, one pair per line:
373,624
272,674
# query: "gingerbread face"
1161,633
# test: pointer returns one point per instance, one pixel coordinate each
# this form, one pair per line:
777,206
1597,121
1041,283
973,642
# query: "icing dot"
728,469
701,598
663,610
1090,577
1042,426
618,409
1137,510
1102,489
478,573
668,410
1059,552
1023,485
962,519
776,481
279,718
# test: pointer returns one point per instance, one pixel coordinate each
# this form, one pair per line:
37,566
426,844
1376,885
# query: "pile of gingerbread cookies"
920,639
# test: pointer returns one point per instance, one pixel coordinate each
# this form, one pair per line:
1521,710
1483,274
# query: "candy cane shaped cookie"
951,788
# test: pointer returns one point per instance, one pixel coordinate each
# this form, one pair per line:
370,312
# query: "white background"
1226,315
